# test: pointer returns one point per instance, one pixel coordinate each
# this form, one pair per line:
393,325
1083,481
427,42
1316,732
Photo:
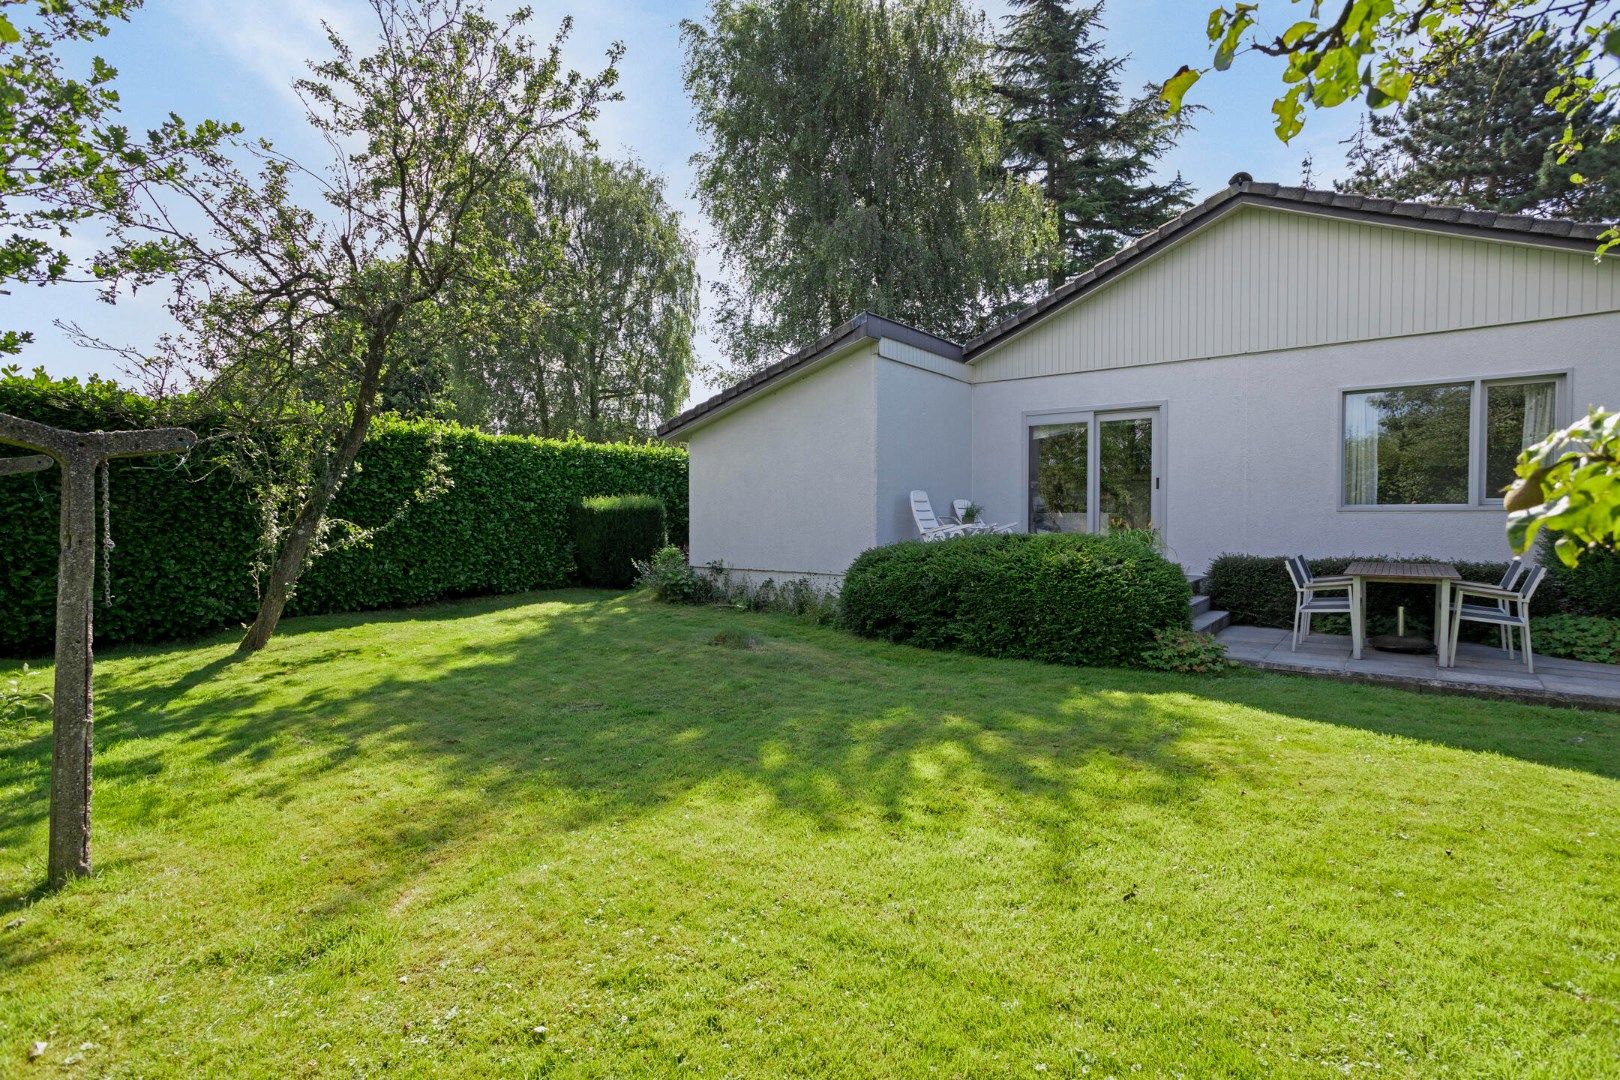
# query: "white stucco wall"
924,440
1245,333
784,486
1252,461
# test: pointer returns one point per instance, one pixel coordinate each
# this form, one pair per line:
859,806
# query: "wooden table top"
1402,571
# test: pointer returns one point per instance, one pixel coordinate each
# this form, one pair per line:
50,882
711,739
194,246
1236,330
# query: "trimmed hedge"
1057,597
186,535
614,532
1590,588
1257,591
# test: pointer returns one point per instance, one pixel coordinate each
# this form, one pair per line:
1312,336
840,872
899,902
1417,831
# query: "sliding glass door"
1095,472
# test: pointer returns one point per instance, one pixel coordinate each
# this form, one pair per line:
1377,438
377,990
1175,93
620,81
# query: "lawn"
564,834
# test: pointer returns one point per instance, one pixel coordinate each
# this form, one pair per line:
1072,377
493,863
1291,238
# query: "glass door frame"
1094,418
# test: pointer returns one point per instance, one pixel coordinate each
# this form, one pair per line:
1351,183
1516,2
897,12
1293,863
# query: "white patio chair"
931,528
1308,605
1506,608
960,506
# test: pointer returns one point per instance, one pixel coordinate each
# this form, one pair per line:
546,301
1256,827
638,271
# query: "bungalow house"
1275,371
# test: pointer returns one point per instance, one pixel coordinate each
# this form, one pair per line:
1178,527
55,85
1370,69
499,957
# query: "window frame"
1478,385
1092,416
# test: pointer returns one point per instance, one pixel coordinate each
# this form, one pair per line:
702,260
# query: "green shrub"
1257,591
1187,653
1593,638
614,532
1065,598
1590,588
186,534
672,579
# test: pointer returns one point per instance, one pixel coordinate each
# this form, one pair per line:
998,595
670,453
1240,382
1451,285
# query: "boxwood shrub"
614,532
186,534
1059,597
1257,591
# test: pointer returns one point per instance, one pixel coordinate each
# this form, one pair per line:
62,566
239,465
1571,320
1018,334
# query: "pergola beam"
11,466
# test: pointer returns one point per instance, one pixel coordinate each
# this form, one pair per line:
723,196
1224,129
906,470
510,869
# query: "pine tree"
1484,137
1066,127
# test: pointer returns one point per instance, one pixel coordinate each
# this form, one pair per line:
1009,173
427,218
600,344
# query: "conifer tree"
1067,127
1484,136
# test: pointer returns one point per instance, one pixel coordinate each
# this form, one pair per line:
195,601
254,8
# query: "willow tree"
585,324
854,162
294,314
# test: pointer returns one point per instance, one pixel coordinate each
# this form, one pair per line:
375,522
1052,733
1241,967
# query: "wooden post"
79,455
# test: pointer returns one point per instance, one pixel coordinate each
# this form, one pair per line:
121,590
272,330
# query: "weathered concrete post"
79,455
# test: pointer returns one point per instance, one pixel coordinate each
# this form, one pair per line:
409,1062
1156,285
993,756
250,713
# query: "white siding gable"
1263,279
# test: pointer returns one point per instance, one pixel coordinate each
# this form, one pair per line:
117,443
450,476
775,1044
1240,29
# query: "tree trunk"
72,727
290,560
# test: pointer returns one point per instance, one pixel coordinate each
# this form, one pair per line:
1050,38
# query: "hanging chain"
106,534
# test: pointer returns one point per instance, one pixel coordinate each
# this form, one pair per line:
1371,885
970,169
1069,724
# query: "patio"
1479,670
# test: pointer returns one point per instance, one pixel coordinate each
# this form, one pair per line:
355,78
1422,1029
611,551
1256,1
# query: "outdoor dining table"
1442,575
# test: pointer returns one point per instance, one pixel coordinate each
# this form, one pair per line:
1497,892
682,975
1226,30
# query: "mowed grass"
400,843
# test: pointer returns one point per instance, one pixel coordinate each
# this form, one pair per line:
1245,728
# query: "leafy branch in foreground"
63,160
1379,51
1569,484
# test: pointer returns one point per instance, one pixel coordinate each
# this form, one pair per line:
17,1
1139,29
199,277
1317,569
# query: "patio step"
1205,620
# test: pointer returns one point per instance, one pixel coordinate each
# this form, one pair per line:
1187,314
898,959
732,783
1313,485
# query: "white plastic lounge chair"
931,528
1507,608
961,507
1307,604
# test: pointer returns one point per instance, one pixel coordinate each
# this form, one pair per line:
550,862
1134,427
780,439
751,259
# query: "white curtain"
1538,412
1362,420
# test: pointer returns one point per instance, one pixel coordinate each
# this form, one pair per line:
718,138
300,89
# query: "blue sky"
236,60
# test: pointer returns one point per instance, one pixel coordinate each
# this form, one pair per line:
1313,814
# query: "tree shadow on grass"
622,704
626,707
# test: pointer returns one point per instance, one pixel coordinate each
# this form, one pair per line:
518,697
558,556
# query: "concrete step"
1196,581
1211,622
1200,604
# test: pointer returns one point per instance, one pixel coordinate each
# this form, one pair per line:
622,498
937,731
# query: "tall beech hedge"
186,535
1060,597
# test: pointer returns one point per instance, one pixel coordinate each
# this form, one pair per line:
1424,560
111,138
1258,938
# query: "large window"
1095,471
1444,444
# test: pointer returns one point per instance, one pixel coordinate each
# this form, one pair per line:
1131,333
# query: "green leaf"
1292,35
1177,86
1288,112
1611,41
8,33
